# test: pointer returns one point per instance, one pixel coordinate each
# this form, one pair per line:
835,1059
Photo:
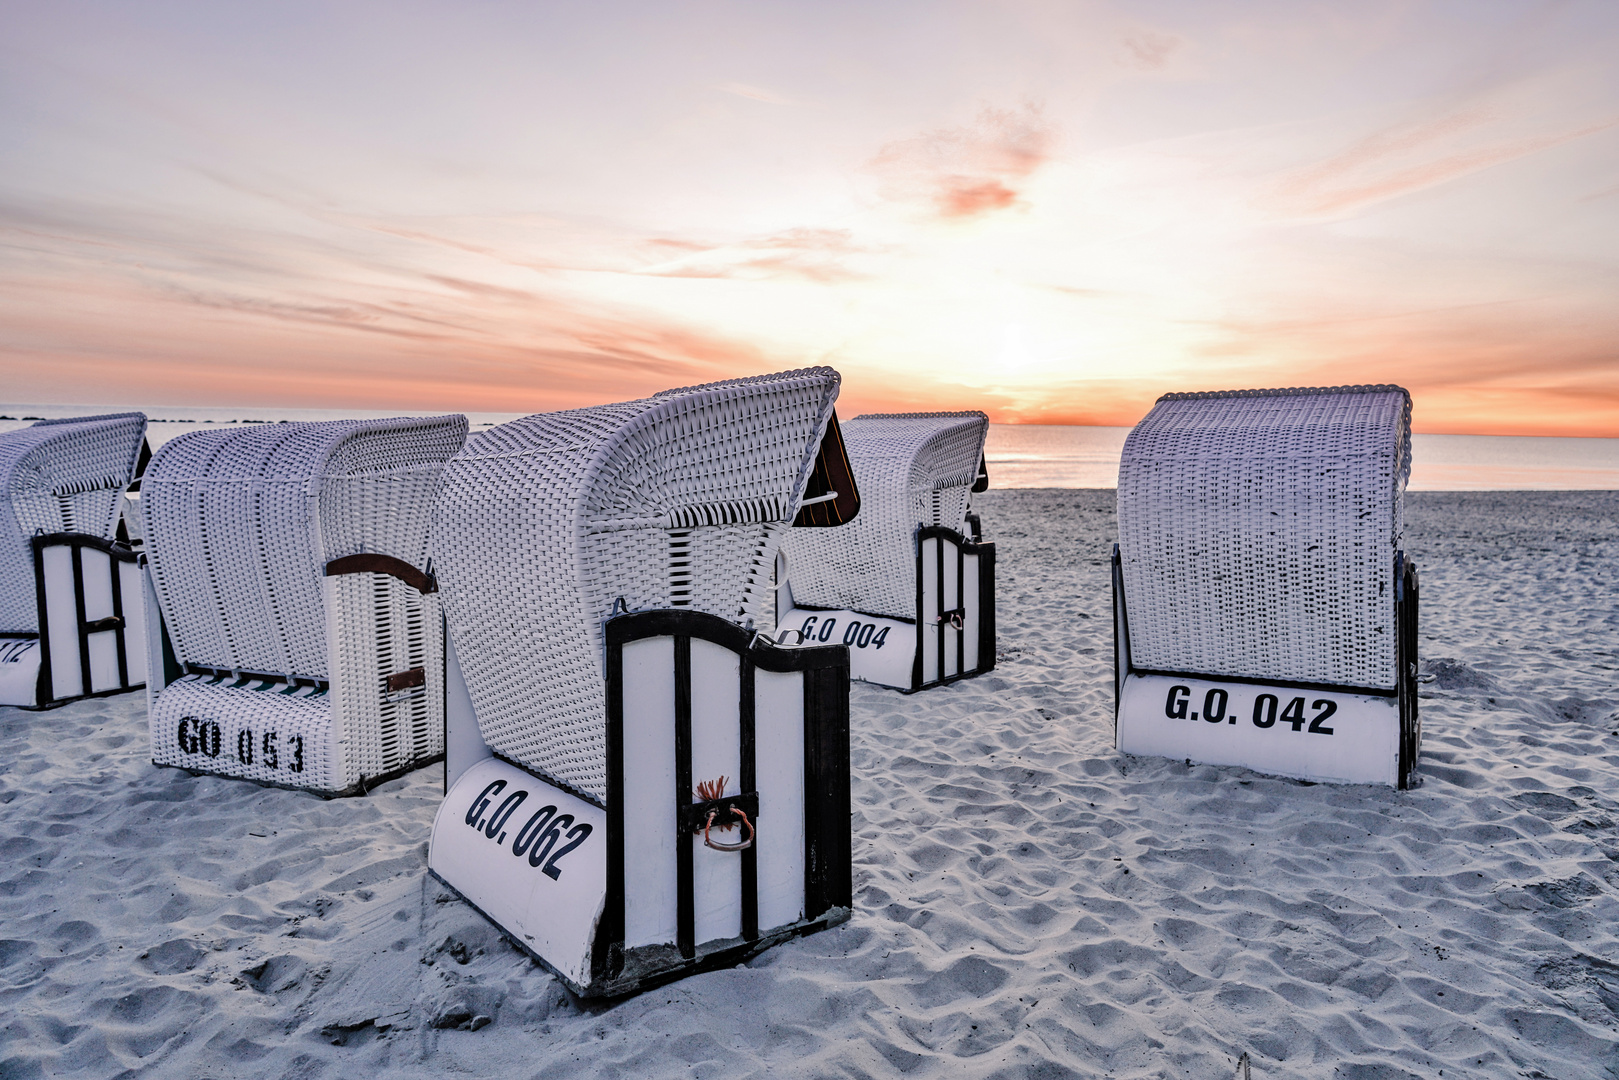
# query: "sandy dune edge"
1030,904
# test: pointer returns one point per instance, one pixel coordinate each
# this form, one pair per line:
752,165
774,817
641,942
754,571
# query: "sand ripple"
1030,904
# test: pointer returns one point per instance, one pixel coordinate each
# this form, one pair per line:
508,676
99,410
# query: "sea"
1038,455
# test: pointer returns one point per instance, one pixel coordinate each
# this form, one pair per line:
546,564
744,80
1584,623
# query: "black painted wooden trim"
444,696
46,685
748,781
937,613
828,859
1407,594
607,952
917,681
828,844
1121,639
686,906
117,583
986,607
960,604
78,611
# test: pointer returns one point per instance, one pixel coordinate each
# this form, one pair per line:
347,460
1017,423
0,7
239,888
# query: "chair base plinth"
19,672
267,733
532,859
1330,735
881,650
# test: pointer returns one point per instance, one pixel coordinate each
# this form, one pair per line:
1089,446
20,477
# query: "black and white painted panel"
950,606
652,791
728,791
727,821
955,606
92,617
780,772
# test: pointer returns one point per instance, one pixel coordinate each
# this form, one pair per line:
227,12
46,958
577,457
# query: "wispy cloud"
818,255
1147,50
1412,156
970,171
753,93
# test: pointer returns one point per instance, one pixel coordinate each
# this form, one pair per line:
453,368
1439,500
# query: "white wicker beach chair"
300,641
1265,613
70,596
620,726
903,585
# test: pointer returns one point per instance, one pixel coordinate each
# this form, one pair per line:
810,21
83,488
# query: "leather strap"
367,562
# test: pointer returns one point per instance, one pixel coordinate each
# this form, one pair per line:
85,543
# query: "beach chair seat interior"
639,783
294,631
909,583
1265,610
71,621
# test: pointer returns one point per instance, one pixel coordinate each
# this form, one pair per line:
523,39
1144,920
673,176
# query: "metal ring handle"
742,845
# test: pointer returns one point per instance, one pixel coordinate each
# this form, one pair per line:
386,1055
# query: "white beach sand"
1029,903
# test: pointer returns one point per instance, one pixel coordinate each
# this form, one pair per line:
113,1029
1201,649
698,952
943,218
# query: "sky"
1051,211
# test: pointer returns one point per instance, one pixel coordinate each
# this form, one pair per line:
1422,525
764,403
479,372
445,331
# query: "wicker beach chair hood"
914,469
313,675
1258,532
59,476
545,526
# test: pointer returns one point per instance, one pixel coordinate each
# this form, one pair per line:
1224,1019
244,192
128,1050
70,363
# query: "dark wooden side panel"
1406,653
828,871
986,608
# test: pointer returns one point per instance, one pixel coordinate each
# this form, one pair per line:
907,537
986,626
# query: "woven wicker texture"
1258,529
59,476
240,525
913,469
542,524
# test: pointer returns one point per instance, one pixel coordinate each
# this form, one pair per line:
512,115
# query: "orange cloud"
806,254
1483,369
1148,50
966,172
